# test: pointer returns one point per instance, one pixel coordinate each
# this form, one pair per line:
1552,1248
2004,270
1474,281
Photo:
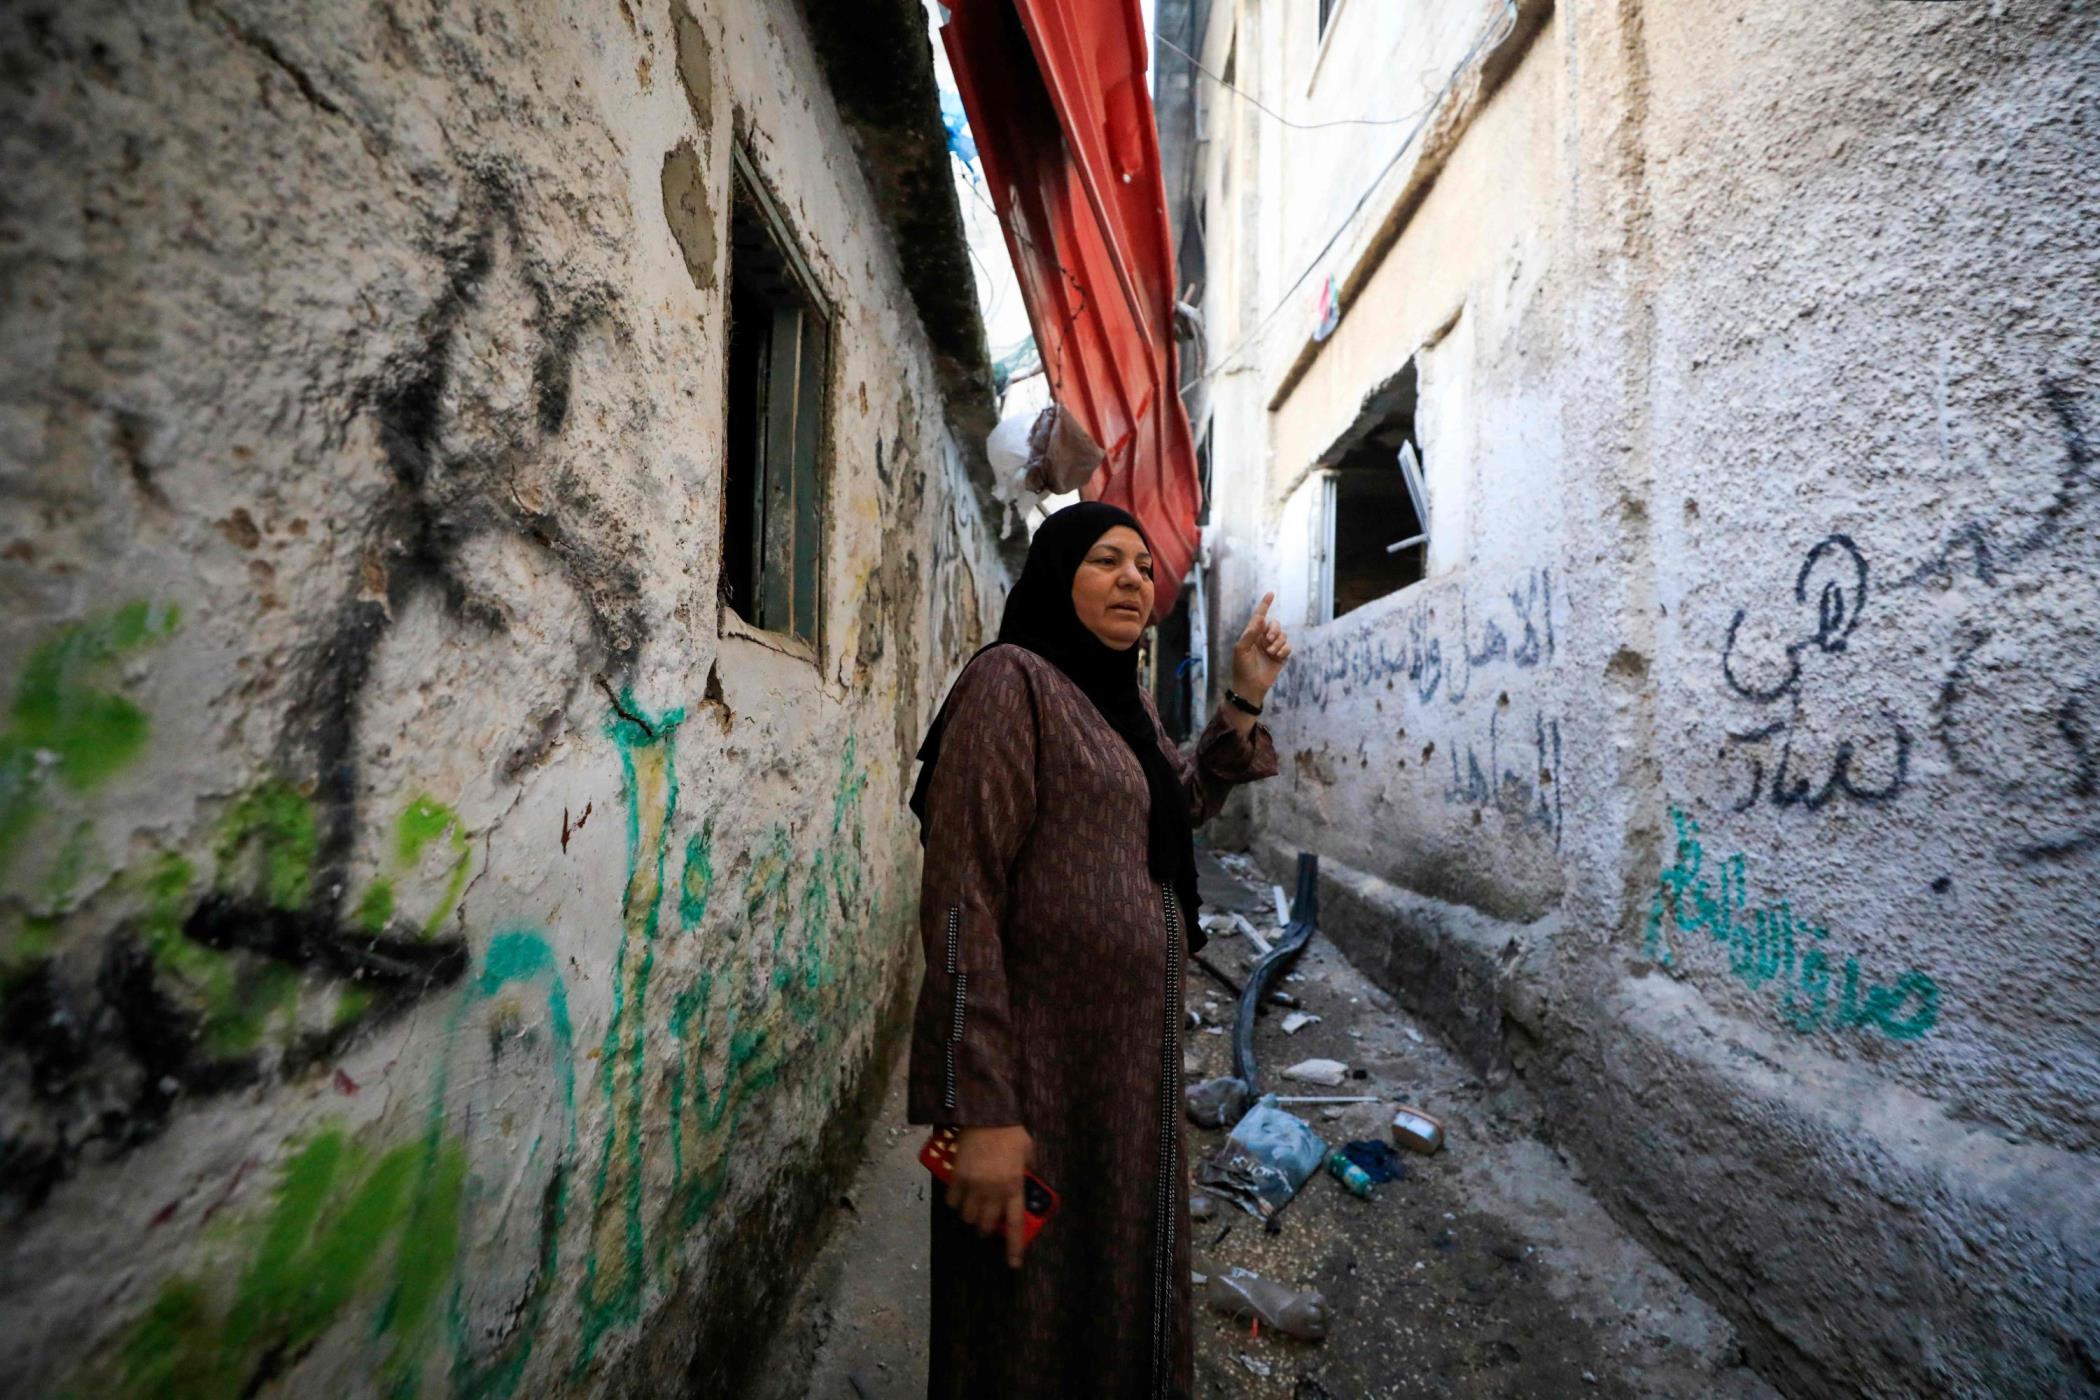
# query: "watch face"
1035,1197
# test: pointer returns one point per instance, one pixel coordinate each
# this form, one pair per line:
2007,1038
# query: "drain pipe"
1305,917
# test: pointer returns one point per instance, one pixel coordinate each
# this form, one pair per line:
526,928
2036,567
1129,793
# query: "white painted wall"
1756,389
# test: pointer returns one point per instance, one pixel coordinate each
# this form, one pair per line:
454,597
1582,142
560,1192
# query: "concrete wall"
1733,773
435,943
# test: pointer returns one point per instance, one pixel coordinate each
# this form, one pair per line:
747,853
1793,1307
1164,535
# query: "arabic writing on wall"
1410,644
1815,763
1511,763
2014,707
1770,946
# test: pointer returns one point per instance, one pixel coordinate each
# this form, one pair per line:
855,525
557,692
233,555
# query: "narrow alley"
1486,1271
618,618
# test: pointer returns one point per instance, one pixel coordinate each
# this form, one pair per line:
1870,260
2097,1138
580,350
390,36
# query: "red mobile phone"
1038,1200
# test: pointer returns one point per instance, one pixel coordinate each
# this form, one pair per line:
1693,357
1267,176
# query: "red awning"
1055,91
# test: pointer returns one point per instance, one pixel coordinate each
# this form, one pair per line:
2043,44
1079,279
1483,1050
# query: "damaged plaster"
440,952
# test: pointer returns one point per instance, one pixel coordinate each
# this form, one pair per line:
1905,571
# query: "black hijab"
1040,617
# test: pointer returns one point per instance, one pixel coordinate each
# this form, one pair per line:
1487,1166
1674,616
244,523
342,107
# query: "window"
779,344
1372,522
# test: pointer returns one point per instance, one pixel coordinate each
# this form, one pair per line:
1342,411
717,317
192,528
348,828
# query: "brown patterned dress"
1052,999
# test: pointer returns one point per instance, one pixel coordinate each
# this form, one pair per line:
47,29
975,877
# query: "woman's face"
1112,592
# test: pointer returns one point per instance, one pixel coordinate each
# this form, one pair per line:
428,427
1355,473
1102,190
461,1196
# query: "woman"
1057,905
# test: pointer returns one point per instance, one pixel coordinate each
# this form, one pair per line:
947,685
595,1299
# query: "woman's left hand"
1259,654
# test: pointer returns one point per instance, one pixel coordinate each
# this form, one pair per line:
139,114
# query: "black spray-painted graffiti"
286,953
1504,769
2013,711
1410,646
1830,593
1528,792
2026,722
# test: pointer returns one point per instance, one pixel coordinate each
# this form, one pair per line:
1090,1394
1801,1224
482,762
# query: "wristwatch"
1233,697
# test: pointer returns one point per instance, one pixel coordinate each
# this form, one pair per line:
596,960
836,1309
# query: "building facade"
1670,428
492,495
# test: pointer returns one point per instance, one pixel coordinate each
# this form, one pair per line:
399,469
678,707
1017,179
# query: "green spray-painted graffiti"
515,1201
451,1244
62,728
415,1234
613,1274
698,879
267,843
239,1002
269,837
421,825
337,1214
736,1028
1771,946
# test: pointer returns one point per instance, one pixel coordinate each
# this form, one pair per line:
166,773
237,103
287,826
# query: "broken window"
1372,528
779,343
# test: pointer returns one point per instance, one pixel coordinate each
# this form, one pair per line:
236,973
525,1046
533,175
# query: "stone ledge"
1862,1241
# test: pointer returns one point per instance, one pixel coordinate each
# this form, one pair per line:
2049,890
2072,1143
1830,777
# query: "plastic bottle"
1349,1174
1248,1295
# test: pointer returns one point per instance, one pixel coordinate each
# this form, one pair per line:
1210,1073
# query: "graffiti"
1770,946
342,1223
1516,630
284,953
206,988
2021,719
735,1028
1528,792
392,1233
613,1274
426,826
63,728
1991,560
462,473
507,1087
264,903
1831,588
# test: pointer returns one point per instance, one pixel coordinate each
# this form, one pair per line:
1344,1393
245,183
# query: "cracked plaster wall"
430,943
1733,775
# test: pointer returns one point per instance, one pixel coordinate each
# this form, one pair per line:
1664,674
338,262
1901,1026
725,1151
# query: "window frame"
1323,38
810,438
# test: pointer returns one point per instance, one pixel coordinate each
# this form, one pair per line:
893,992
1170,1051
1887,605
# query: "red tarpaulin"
1055,91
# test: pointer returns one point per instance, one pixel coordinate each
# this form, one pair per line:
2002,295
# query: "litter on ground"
1329,1072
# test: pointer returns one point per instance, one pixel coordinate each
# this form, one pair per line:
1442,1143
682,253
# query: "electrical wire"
1197,64
1507,23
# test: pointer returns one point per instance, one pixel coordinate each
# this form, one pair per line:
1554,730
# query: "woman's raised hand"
1259,654
986,1189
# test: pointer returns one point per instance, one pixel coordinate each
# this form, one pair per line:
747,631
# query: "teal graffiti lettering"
1769,946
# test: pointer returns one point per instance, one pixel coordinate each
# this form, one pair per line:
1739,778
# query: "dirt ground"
1487,1271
